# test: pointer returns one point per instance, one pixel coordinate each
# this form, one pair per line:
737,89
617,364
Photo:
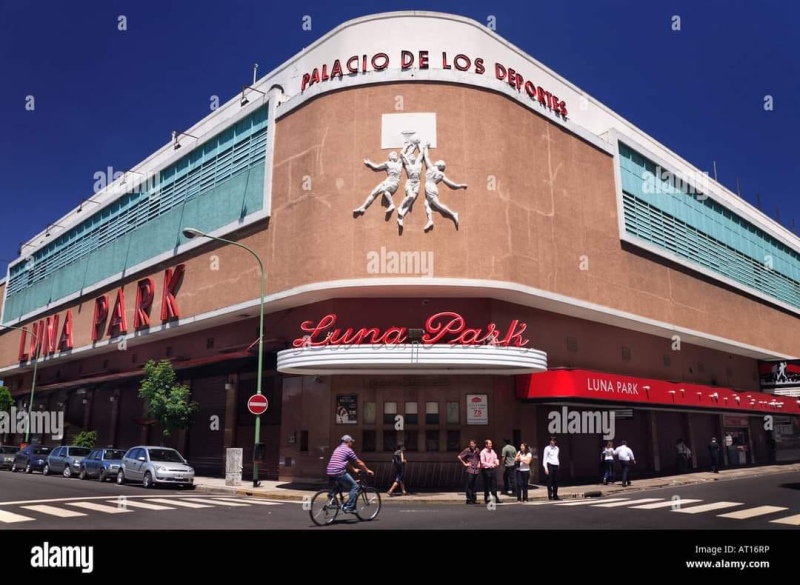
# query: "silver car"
65,460
155,465
7,454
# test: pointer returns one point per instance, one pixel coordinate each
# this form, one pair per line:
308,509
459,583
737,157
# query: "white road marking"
10,517
628,503
753,512
589,501
667,504
135,504
99,507
253,501
209,501
791,520
180,503
708,507
54,511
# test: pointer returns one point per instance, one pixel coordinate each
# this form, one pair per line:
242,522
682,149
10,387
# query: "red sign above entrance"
446,327
587,385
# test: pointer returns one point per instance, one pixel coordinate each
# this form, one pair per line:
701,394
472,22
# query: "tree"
85,439
167,400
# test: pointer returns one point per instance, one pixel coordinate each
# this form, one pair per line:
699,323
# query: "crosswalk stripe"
10,517
134,504
752,512
55,511
205,501
252,501
119,509
708,507
666,504
627,503
792,520
589,501
177,502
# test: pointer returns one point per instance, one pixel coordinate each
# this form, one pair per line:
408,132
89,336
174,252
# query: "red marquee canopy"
588,385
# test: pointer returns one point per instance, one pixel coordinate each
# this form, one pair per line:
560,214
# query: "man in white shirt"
550,463
625,456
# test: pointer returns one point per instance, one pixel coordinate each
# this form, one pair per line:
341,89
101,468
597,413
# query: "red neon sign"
447,327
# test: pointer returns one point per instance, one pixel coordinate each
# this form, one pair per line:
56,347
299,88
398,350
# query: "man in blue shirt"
341,457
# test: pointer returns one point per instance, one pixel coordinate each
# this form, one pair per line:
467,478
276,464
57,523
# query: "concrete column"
651,420
229,427
114,422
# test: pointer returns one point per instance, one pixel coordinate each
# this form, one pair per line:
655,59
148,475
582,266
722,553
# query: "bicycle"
326,504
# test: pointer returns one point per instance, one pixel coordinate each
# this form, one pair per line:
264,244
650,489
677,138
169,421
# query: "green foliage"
85,439
167,401
6,401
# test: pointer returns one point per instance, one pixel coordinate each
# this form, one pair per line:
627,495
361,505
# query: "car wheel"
82,474
147,481
67,471
120,478
103,475
46,470
28,467
14,467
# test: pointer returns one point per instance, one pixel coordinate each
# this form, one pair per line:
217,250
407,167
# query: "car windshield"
114,454
79,451
168,455
9,449
41,450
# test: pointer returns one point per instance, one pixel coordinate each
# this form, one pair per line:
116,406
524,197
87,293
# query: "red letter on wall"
33,348
50,332
172,281
145,291
23,355
100,316
65,342
118,325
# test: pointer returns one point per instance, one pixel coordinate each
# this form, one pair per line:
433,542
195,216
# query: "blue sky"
109,98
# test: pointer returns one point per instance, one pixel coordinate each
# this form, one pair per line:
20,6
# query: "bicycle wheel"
368,504
324,508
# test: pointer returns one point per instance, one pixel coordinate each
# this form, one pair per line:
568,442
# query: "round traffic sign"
257,404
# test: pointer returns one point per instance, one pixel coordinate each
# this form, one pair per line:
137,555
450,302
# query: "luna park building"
454,242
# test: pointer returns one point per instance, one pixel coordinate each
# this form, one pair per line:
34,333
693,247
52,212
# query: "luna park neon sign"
447,327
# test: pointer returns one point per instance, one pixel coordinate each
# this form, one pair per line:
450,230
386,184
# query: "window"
454,441
432,440
452,413
304,441
390,440
369,413
389,412
368,441
412,416
411,441
432,413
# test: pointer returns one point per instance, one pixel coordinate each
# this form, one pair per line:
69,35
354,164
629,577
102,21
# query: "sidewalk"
281,490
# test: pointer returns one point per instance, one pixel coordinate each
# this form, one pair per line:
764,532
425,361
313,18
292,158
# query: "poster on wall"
780,377
346,409
477,409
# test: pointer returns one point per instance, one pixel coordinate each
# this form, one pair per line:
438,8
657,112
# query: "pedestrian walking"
626,459
489,464
471,459
523,472
550,462
682,456
714,450
399,464
607,457
508,455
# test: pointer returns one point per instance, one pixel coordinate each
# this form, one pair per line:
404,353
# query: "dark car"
7,454
102,464
31,458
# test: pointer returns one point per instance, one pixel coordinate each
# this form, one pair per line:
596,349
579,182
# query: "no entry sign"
257,404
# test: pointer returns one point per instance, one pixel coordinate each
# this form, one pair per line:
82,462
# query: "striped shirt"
338,463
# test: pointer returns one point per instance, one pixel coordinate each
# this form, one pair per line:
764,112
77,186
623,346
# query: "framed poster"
346,409
477,409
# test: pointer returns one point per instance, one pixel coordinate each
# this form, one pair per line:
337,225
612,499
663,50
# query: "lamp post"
35,358
192,233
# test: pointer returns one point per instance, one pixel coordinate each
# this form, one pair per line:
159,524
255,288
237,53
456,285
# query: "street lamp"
192,233
35,358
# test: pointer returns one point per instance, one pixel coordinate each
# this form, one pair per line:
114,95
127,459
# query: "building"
569,267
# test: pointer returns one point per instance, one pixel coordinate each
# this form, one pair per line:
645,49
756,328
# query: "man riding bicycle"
337,469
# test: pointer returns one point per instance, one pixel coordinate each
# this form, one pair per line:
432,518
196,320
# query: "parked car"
65,460
31,458
101,463
155,465
7,453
